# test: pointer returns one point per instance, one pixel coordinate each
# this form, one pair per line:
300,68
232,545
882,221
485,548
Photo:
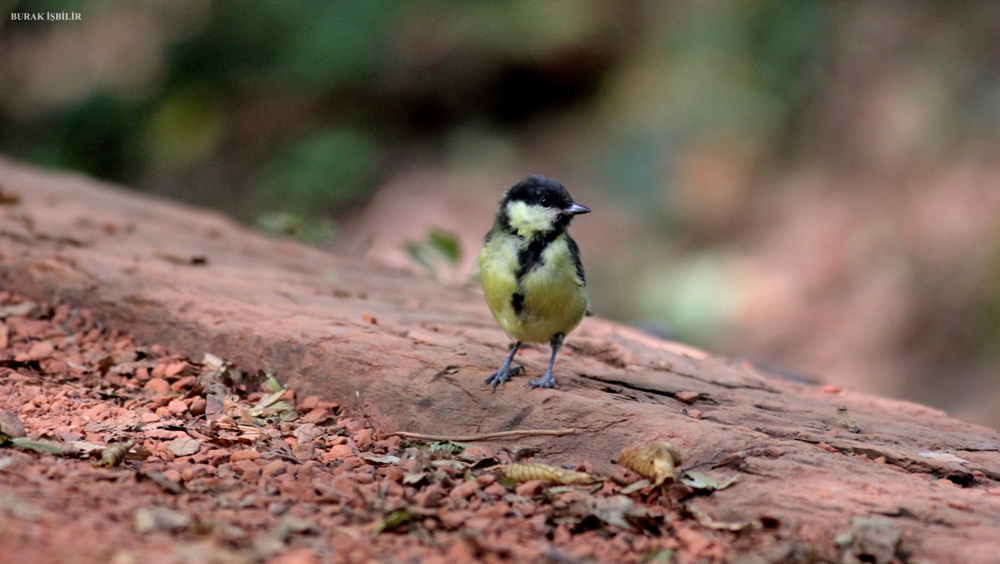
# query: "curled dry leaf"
636,486
217,375
444,449
656,461
523,472
114,454
847,421
232,409
416,478
10,425
704,482
84,448
705,520
272,403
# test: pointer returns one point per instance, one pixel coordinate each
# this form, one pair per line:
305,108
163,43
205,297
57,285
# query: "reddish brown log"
411,354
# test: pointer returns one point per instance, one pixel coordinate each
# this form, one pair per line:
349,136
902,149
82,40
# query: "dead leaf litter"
113,451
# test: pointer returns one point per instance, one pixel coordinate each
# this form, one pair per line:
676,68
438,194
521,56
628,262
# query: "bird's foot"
547,381
501,376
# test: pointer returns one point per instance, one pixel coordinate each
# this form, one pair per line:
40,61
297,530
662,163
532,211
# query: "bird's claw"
501,376
547,381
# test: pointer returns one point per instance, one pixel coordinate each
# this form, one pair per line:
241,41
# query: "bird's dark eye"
545,201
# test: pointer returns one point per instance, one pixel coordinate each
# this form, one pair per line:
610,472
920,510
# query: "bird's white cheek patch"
528,220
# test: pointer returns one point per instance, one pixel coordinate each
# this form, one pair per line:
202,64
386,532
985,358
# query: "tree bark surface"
818,465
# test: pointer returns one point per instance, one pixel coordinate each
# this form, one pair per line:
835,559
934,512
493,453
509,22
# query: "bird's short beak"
576,209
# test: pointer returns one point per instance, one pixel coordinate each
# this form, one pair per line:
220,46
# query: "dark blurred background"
811,185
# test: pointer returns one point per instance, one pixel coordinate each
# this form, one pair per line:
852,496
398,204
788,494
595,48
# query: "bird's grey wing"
574,253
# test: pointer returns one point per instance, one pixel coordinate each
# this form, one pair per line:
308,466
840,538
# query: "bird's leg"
548,381
506,370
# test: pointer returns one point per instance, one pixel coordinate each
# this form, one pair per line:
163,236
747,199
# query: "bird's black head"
541,191
537,205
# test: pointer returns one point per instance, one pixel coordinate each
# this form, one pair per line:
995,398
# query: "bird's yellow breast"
554,298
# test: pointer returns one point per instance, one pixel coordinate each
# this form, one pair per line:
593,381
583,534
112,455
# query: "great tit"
531,271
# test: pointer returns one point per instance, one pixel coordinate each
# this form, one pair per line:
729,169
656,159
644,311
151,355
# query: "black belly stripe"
531,256
517,302
528,259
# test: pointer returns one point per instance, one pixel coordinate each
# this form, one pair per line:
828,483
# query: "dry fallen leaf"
22,309
705,520
218,375
49,447
114,454
159,519
9,198
636,486
614,510
847,421
10,425
179,258
386,459
618,511
184,446
656,461
523,472
160,480
700,481
272,403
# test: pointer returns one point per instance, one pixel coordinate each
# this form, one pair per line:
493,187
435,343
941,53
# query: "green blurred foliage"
509,29
717,72
289,106
319,231
691,298
183,128
303,103
294,45
440,249
288,114
325,171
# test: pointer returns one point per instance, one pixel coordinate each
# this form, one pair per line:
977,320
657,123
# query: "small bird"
531,271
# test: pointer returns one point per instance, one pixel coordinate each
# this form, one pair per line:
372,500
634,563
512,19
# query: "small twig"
485,436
